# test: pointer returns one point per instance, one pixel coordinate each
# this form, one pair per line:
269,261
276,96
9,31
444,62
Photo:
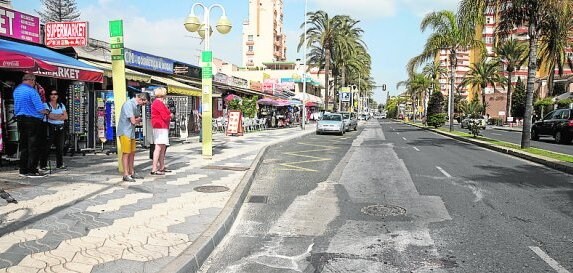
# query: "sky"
391,28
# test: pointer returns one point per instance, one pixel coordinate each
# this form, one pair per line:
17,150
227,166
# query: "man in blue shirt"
29,111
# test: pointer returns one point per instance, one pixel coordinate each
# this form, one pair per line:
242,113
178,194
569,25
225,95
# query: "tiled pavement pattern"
88,220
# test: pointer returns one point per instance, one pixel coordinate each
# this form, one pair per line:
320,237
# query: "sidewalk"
88,220
507,128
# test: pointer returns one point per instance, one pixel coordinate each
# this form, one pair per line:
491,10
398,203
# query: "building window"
489,40
489,20
251,48
570,55
250,38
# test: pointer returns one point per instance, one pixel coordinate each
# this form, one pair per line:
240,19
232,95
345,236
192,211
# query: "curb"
548,162
506,129
192,258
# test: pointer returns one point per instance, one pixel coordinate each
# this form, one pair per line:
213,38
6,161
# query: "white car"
466,122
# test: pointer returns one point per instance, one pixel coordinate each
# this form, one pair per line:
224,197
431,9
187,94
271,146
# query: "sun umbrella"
17,61
266,101
231,97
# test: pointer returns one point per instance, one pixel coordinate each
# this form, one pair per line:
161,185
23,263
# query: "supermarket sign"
65,34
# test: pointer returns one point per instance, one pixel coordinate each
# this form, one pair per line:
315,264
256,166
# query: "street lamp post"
453,64
303,120
192,24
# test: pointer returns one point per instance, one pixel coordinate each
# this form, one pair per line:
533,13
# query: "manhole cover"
383,210
226,168
211,189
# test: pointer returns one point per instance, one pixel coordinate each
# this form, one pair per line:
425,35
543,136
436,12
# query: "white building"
263,37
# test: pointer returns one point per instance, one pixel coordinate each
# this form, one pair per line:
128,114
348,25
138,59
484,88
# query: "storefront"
72,78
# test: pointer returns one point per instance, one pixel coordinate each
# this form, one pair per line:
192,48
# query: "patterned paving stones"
87,220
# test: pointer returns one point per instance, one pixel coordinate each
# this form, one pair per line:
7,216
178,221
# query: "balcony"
250,53
250,43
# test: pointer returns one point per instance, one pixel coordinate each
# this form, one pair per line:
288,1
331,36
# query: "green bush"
564,103
495,121
436,120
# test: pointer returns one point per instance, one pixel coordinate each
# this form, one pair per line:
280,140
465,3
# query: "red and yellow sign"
64,34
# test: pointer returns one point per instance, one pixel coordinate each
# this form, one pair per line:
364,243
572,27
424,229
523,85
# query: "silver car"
331,123
350,121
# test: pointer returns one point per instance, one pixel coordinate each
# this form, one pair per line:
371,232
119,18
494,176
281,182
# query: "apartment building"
264,40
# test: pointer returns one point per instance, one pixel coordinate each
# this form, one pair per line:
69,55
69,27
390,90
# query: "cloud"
359,9
165,37
375,9
422,7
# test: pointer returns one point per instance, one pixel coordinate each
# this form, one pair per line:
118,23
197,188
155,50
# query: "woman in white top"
56,118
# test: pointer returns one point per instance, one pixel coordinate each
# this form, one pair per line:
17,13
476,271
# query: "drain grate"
383,210
258,199
211,189
225,168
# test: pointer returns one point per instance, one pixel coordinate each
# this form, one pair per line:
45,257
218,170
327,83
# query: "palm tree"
447,35
534,14
416,85
481,74
554,42
326,35
433,71
512,54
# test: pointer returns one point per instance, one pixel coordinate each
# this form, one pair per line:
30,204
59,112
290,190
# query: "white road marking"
553,263
444,172
415,148
496,134
397,133
404,138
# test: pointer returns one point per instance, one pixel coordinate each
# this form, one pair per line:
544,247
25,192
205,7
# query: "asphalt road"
546,143
395,198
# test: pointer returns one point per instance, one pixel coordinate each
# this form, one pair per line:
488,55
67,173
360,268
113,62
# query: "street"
546,143
394,198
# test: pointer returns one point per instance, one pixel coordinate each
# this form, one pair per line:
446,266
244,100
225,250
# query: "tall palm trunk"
532,70
326,78
508,100
550,80
483,98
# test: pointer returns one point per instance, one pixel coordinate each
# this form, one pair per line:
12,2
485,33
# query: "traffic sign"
207,56
115,28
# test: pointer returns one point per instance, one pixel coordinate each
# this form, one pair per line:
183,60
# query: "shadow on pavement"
440,142
537,177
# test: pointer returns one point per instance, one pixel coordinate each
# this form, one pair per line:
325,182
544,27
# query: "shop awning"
215,92
175,87
131,75
67,67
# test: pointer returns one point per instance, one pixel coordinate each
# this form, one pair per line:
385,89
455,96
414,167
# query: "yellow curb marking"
290,166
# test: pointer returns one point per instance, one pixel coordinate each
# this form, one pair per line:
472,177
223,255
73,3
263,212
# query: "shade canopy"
12,60
175,87
66,67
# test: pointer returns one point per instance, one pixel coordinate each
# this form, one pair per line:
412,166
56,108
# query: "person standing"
29,111
56,118
128,118
160,118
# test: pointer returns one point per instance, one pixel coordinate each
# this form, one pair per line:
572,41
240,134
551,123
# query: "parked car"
466,122
331,123
350,121
557,124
